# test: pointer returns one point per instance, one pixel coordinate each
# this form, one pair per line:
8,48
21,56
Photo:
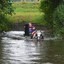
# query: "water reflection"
21,51
13,51
55,52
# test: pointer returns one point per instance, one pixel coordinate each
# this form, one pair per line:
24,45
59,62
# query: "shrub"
58,20
4,23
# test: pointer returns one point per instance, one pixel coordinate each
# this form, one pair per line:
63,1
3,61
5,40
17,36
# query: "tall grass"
26,7
28,12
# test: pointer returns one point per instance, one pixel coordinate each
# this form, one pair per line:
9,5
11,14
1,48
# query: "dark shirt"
26,27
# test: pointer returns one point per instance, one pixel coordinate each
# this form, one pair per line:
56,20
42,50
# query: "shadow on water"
55,52
13,51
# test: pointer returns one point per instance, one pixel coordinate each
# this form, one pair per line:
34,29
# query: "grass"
26,7
28,12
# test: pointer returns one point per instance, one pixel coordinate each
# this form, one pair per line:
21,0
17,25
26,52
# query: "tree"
5,8
58,20
48,7
54,15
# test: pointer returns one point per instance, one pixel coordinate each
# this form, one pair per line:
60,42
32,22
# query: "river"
21,51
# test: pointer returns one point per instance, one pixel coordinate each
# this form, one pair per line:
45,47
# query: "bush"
58,20
4,23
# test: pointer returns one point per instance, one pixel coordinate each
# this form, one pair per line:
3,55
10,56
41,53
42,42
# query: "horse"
38,35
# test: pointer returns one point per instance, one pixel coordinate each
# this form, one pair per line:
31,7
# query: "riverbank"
23,12
18,26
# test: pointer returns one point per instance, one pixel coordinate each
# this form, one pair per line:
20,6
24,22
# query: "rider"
32,30
29,29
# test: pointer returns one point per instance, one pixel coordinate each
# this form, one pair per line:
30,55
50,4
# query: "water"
21,51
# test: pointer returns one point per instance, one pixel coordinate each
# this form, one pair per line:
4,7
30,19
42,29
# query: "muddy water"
22,51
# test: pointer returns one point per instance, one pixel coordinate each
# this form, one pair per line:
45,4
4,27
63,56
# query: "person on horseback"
32,30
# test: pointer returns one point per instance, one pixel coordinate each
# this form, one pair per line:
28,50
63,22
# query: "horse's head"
38,35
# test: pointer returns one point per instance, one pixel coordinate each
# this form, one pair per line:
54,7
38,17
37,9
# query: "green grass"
26,7
28,12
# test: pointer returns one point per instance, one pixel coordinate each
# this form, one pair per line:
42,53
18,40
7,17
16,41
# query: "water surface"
21,51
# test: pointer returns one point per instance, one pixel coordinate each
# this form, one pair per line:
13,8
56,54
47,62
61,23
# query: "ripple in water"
14,51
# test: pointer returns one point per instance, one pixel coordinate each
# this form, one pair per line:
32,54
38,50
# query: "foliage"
54,15
4,23
48,7
28,12
58,19
28,17
26,7
5,8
